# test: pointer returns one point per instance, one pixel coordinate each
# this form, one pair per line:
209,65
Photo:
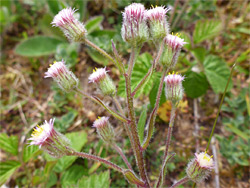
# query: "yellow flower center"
37,131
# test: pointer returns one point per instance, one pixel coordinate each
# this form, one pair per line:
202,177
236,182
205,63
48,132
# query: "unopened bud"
158,25
171,53
173,87
104,82
134,27
49,140
71,27
104,129
62,75
200,167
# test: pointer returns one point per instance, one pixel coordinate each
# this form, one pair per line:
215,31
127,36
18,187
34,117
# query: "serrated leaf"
72,175
51,180
9,143
141,124
77,139
206,29
195,84
199,53
37,46
94,24
141,67
7,169
29,151
96,180
217,73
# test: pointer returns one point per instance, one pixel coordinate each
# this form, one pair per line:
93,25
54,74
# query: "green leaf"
7,169
195,84
78,139
52,180
141,67
206,29
9,143
94,24
54,6
199,53
72,175
96,180
63,123
217,73
97,57
37,46
187,39
142,123
29,151
154,91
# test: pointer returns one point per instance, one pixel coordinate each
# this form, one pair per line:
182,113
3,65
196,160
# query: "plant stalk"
119,150
180,182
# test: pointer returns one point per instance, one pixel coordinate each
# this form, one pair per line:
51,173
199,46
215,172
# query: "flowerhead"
173,47
48,139
62,75
71,27
158,25
134,27
104,82
104,129
200,167
173,87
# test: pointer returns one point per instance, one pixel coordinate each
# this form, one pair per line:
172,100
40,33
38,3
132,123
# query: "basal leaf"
7,169
37,46
96,180
9,143
206,29
195,84
72,175
217,73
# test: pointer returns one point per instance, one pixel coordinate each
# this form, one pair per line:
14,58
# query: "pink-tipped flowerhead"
71,27
173,87
104,82
158,25
104,129
48,139
173,47
134,27
200,167
62,75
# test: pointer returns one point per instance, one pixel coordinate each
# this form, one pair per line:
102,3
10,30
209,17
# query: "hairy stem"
95,158
119,150
151,70
131,113
170,130
180,182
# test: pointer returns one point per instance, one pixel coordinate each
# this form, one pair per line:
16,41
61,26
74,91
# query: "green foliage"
199,53
66,120
206,29
153,92
141,67
7,169
95,180
94,24
37,46
71,176
9,143
195,84
141,124
217,73
29,151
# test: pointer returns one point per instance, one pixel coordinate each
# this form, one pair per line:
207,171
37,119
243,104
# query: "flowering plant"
139,26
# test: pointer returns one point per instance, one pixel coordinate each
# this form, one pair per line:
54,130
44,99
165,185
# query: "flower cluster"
102,79
71,27
200,167
61,74
104,129
174,89
48,139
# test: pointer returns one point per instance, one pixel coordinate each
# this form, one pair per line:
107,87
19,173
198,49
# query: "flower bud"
134,27
102,79
172,50
48,139
104,129
200,167
173,87
158,25
71,27
61,74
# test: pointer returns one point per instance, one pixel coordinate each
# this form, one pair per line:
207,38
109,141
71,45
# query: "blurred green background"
217,33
